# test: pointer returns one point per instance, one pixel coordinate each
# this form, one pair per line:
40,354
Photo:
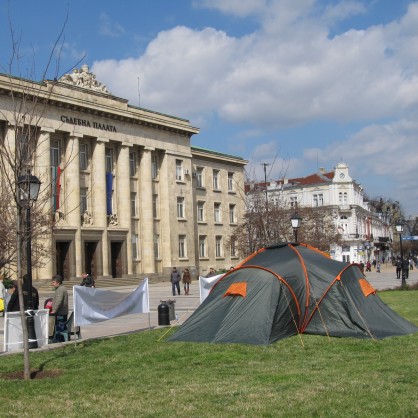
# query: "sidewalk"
185,305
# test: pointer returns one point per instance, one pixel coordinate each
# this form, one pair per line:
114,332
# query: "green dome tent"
287,289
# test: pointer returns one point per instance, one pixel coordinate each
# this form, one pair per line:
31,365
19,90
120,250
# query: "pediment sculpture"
84,78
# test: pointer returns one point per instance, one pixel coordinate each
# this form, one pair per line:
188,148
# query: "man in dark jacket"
87,281
175,281
14,306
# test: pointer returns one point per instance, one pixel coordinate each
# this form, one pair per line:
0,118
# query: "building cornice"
78,99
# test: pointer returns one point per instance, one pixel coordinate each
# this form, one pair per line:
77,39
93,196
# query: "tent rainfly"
288,289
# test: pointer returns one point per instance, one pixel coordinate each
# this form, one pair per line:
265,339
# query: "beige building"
129,194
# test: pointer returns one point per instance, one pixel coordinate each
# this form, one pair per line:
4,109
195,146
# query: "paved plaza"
185,305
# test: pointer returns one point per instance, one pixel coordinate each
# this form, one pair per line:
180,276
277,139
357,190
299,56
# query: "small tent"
286,289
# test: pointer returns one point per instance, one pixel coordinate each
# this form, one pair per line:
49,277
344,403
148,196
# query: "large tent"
287,289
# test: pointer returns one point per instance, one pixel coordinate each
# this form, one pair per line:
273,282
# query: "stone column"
99,197
72,195
168,203
124,198
42,170
147,220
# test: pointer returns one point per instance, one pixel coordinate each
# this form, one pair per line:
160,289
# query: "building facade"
127,188
365,234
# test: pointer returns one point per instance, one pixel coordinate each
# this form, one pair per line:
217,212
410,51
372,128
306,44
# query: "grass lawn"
139,376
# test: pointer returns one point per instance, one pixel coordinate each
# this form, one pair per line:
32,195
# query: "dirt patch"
34,374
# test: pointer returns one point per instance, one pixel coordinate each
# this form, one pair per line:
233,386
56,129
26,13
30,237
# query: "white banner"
206,284
13,334
93,305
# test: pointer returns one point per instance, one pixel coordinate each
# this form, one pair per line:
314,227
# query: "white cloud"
388,152
288,72
277,79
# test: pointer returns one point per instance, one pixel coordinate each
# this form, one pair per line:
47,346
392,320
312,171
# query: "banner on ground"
13,334
206,284
93,305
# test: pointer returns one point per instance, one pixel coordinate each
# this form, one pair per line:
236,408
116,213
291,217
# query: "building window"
180,207
293,201
134,246
199,177
133,204
84,157
344,224
200,211
155,206
55,153
230,182
318,200
202,246
218,247
216,179
109,160
233,248
182,246
217,212
132,163
83,200
179,170
342,198
156,246
232,215
154,166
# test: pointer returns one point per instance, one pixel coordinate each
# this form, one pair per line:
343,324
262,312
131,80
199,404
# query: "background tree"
267,221
19,146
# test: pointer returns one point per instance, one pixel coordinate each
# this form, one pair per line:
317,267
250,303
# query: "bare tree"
20,143
267,220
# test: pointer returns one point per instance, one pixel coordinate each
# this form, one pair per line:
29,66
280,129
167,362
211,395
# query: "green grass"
139,376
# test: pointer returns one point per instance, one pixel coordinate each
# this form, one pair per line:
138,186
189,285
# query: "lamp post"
296,220
29,186
267,231
399,229
265,165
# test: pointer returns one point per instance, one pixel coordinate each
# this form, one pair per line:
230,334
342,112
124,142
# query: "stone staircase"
45,285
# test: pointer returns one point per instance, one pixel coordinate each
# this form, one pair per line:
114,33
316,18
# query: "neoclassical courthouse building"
130,195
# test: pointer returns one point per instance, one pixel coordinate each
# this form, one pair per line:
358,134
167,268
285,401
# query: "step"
101,283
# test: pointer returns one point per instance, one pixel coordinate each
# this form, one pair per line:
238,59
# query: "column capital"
148,149
101,139
46,130
127,144
75,135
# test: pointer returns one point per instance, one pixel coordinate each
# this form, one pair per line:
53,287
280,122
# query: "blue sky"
299,84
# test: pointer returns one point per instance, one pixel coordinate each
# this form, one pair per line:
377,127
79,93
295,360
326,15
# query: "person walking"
175,281
59,305
186,281
398,268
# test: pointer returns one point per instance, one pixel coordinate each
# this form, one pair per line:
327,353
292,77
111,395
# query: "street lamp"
399,229
265,165
29,186
296,221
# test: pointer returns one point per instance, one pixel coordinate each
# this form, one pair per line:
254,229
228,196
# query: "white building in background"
365,235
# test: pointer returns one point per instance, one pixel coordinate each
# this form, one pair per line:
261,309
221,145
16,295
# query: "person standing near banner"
59,304
14,306
175,281
186,281
87,281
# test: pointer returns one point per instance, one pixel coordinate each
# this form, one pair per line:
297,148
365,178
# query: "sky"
297,84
